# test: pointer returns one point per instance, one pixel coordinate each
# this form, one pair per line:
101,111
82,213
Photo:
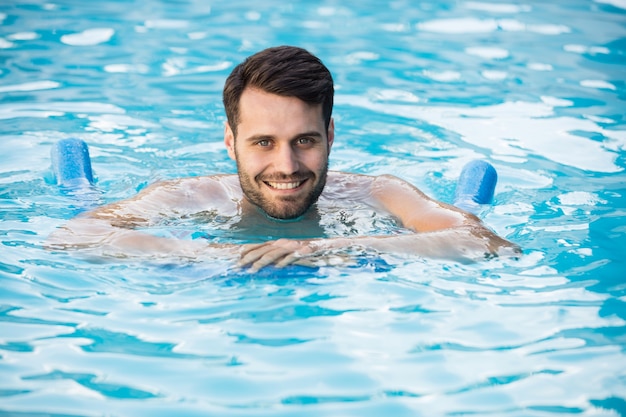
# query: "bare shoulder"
414,208
383,187
176,197
210,187
341,179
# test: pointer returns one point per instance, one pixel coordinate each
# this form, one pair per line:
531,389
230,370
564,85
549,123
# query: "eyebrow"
258,137
307,134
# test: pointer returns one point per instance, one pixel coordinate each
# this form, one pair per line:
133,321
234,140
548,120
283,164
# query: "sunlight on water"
514,130
536,88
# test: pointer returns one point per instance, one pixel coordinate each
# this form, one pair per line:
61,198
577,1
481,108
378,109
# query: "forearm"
464,244
98,237
467,243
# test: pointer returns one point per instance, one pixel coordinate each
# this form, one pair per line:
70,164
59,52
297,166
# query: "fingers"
288,260
247,249
280,253
262,257
284,252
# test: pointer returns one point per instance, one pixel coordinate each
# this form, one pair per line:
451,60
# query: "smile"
284,185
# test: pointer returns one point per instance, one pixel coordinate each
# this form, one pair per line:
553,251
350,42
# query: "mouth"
284,185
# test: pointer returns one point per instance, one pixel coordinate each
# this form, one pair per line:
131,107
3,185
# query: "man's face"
281,150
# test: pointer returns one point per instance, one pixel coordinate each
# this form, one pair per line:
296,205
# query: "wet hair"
287,71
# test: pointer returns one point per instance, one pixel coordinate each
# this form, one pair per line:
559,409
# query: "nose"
286,160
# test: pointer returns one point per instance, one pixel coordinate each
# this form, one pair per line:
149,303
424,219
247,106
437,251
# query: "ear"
331,133
229,140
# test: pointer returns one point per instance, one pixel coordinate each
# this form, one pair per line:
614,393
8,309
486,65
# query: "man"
280,131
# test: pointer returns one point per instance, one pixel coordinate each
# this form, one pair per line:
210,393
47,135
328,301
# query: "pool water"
537,88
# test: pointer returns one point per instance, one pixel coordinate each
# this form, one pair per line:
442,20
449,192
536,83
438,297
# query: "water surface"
536,88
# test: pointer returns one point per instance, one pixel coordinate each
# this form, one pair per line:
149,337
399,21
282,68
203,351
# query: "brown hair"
284,70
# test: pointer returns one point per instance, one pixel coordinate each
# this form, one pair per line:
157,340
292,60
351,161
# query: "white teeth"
284,185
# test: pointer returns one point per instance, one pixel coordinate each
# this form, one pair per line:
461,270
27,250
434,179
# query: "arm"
441,231
446,231
110,230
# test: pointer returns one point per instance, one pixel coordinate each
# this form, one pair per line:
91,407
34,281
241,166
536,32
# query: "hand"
280,253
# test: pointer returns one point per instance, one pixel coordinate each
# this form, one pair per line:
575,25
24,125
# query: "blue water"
537,88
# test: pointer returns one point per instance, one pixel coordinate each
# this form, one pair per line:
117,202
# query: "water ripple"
502,380
93,382
108,341
423,87
269,342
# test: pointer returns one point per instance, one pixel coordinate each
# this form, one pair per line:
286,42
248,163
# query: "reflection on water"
327,219
422,88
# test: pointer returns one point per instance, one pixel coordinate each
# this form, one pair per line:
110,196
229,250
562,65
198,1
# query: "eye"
263,143
305,140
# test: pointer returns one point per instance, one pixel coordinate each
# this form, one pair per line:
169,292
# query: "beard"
286,207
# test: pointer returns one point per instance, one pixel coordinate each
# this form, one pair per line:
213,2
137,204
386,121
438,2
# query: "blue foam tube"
71,164
475,186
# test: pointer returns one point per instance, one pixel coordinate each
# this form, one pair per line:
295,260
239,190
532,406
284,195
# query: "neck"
255,223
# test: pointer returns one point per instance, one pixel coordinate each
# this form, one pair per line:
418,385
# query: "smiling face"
281,149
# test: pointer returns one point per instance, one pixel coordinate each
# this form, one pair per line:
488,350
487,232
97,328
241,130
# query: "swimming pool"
536,88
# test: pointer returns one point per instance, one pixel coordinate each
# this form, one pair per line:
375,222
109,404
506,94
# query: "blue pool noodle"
71,164
475,186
